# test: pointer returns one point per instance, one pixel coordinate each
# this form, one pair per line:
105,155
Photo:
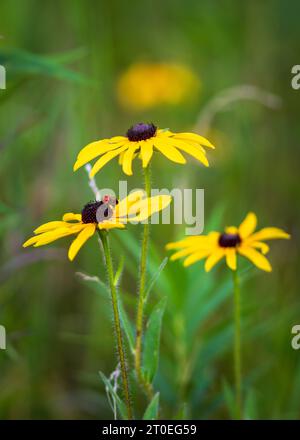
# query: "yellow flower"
105,214
146,85
142,139
242,240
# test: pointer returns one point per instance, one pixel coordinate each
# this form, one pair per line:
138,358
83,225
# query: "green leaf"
229,399
155,277
151,412
182,413
94,279
125,322
250,412
70,56
132,245
127,326
22,62
119,271
202,305
152,339
120,404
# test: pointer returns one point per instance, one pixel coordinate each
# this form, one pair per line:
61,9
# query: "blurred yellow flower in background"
215,246
146,85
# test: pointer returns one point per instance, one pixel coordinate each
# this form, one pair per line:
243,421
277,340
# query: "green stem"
237,344
118,331
141,300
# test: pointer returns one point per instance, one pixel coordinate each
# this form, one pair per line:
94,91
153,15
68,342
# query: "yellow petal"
30,241
166,148
146,152
255,257
127,160
248,225
268,234
193,137
197,256
49,237
106,158
231,258
184,252
144,208
213,259
231,230
79,241
94,149
181,243
192,151
263,247
164,132
110,225
201,241
100,146
118,139
181,253
188,142
213,237
124,206
120,159
49,226
70,216
76,227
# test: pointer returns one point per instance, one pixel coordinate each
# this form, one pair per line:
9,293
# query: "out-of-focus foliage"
63,62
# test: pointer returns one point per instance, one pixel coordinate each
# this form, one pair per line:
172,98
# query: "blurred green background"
63,60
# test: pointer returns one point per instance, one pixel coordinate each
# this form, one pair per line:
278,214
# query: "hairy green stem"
237,345
118,330
142,299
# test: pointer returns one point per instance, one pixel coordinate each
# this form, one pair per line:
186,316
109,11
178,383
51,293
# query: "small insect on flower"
242,240
143,139
147,85
106,214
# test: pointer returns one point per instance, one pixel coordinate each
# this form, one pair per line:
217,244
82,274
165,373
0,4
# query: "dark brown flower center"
98,211
229,240
141,132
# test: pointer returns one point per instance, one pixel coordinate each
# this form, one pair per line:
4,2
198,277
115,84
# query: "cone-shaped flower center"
97,212
141,132
229,240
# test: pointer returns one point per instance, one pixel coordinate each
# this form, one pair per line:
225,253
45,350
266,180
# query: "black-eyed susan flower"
233,241
146,85
142,140
98,215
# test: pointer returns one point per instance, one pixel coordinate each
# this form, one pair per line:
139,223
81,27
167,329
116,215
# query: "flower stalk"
120,345
142,298
237,344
